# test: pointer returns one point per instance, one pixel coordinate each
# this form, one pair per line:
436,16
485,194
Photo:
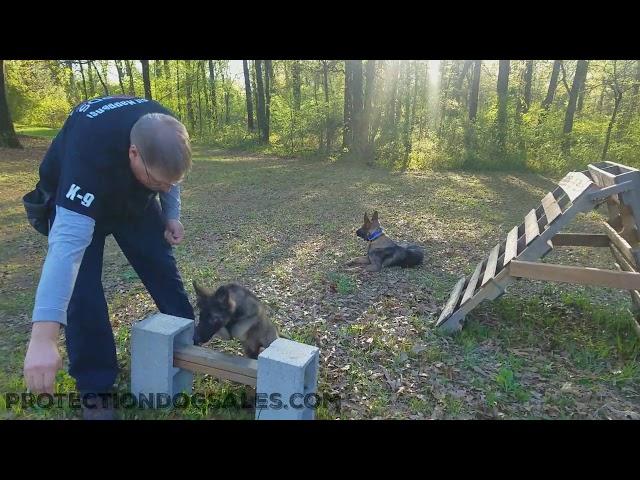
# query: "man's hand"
174,232
43,360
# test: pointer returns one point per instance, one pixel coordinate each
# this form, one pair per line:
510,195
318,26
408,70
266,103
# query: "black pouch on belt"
37,204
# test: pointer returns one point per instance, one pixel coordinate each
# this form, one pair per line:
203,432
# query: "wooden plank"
453,301
601,177
221,361
622,264
551,208
492,263
581,240
578,275
574,184
621,261
215,372
621,243
473,282
511,247
531,229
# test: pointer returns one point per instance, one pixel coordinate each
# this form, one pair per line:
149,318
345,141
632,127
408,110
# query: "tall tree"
260,104
212,87
188,89
84,81
553,83
146,80
247,90
347,131
357,107
325,87
129,68
528,80
370,85
102,82
8,137
295,77
120,80
92,85
578,80
268,85
504,68
474,91
72,82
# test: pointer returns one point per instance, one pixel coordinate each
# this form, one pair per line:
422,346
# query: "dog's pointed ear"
375,216
201,292
366,218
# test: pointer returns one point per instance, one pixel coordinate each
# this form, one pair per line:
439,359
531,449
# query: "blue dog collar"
376,234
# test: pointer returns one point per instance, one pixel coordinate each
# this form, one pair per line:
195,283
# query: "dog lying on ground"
382,251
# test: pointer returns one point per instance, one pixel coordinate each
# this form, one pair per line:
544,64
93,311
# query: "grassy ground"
284,228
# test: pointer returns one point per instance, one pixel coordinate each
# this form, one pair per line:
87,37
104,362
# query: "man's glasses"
150,177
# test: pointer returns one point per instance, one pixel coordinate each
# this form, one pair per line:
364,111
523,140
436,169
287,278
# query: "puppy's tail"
415,256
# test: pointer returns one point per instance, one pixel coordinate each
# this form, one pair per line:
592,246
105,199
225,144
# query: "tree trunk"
553,83
197,75
188,85
528,78
146,79
104,85
325,86
84,81
347,131
503,94
72,83
119,70
178,89
205,90
357,107
633,102
212,87
616,107
390,117
8,137
457,95
578,81
92,85
370,84
129,69
247,91
407,112
268,70
260,105
295,77
474,91
581,93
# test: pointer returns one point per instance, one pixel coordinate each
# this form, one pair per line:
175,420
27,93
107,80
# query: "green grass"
285,229
44,132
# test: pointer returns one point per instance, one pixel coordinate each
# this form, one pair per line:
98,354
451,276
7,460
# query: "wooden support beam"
221,365
579,275
580,240
622,244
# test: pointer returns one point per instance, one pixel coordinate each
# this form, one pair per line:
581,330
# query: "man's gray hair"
164,143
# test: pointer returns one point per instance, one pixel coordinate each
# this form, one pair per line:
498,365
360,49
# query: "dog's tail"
415,256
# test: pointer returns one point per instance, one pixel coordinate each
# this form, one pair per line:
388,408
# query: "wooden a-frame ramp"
517,256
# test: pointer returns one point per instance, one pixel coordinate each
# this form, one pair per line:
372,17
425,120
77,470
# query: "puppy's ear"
201,292
366,218
375,216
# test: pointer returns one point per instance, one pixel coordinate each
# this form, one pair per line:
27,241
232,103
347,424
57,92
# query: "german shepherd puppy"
382,251
233,311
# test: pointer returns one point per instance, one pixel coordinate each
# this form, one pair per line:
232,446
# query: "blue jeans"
89,336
